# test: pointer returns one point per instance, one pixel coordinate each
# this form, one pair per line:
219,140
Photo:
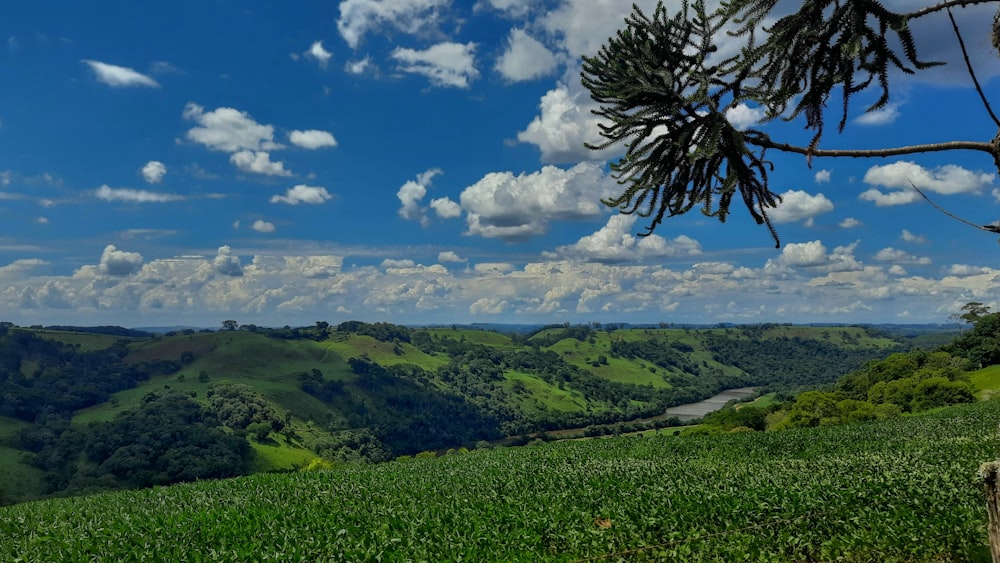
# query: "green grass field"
900,490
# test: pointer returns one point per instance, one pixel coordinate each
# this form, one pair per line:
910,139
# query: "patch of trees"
239,407
402,409
907,382
63,379
551,334
665,355
785,363
169,438
384,332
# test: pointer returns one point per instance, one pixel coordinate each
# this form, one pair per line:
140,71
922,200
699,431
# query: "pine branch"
765,142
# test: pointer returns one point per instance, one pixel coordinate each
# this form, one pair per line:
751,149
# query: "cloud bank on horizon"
423,161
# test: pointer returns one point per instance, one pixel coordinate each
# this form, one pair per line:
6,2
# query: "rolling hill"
361,392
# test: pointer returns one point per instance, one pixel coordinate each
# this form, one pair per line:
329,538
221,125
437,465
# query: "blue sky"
422,161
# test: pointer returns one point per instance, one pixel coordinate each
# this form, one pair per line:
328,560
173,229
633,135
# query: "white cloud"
446,208
444,64
881,199
262,226
811,253
883,116
119,76
358,66
312,139
358,17
850,223
797,205
226,263
564,124
319,54
412,192
20,269
910,237
502,205
303,194
509,8
743,116
525,58
822,176
813,256
450,256
488,306
258,162
116,262
615,243
584,26
154,171
130,195
899,257
903,175
966,270
228,129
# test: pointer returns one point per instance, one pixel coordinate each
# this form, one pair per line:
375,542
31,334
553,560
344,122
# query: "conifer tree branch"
945,6
766,143
972,72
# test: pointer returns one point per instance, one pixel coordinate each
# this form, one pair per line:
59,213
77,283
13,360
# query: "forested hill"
85,410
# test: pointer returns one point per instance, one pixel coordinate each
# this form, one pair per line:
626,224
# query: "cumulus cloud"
319,54
822,176
130,195
910,237
119,76
444,64
19,269
897,256
154,171
488,306
903,175
813,255
116,262
303,194
882,116
564,124
312,139
849,223
262,226
258,162
446,208
583,27
743,116
615,243
525,58
502,205
226,263
797,205
450,256
358,17
228,129
412,193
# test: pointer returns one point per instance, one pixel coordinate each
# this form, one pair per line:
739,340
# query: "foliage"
664,90
896,491
168,439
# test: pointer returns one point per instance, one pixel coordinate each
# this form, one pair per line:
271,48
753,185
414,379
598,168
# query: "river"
692,411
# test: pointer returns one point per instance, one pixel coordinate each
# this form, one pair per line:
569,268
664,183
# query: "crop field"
900,490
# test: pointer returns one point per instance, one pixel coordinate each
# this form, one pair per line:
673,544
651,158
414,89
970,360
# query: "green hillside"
364,392
898,490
